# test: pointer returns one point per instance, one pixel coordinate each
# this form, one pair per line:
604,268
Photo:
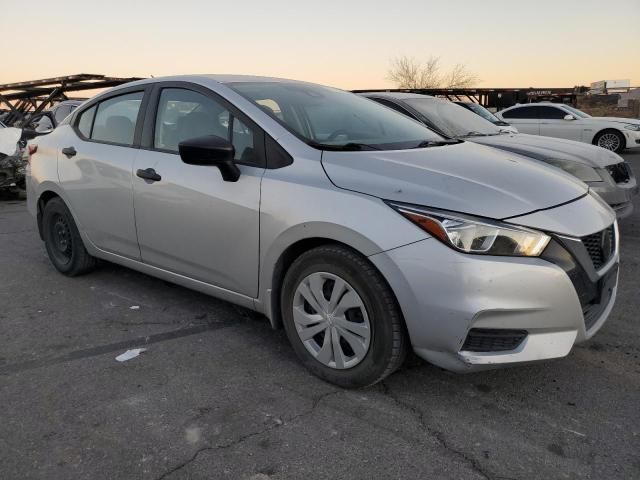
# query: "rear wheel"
611,140
342,318
62,240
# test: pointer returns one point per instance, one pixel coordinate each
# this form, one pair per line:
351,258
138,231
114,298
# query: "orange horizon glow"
348,45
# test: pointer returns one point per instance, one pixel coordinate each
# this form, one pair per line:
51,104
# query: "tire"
366,305
611,140
63,242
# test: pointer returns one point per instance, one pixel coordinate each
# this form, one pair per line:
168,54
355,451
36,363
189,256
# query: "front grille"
619,172
600,246
493,340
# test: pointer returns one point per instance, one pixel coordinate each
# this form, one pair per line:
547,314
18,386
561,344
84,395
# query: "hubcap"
610,141
331,320
61,239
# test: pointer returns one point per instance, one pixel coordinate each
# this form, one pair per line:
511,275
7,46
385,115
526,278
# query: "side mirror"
29,134
569,117
213,151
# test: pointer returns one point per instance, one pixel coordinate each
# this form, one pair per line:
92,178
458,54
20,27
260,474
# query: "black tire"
389,341
63,242
622,143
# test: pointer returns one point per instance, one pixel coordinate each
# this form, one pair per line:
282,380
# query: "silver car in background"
604,171
359,230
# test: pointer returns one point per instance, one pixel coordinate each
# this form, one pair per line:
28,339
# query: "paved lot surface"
219,394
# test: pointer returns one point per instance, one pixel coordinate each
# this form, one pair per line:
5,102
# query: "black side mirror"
211,150
29,134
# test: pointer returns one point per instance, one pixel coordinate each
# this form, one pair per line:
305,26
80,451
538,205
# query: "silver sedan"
359,230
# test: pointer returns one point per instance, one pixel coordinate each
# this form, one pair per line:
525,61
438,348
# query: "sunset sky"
347,44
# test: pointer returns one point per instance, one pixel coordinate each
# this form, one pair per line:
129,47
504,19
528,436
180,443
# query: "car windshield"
329,118
451,119
483,112
576,112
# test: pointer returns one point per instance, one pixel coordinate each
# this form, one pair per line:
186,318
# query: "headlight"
634,127
470,235
578,170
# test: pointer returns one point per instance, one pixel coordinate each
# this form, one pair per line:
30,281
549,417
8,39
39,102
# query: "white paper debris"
134,307
129,354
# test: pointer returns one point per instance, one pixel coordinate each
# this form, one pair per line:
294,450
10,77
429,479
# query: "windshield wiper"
346,147
475,134
436,143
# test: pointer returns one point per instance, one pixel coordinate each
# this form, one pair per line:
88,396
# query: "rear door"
524,118
95,168
553,124
190,221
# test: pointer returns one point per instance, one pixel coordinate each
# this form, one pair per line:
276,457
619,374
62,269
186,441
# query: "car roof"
536,104
204,79
396,95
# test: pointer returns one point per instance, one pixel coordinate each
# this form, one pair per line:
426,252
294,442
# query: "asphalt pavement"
218,394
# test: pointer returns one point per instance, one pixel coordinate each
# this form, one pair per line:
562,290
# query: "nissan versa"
361,231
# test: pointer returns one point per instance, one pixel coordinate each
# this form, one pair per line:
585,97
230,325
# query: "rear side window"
522,112
551,113
115,119
85,122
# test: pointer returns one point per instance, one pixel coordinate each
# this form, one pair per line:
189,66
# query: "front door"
190,221
553,124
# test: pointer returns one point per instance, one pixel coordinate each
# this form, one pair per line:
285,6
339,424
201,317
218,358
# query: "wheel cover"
610,141
331,320
61,239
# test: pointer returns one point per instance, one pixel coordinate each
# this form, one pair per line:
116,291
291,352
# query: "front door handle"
149,174
69,151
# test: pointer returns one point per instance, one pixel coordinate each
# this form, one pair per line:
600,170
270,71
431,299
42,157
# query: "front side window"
185,114
451,119
576,112
328,118
522,112
115,119
552,113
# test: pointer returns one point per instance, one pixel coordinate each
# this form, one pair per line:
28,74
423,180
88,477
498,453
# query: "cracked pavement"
218,394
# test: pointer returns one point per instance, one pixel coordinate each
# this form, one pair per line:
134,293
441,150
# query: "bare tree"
406,72
460,77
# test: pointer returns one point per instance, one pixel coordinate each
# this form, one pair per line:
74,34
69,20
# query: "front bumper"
633,138
444,294
619,196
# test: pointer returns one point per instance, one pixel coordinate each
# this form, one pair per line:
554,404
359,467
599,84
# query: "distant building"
633,94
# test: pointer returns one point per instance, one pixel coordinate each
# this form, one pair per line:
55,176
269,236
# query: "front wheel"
342,318
62,240
611,140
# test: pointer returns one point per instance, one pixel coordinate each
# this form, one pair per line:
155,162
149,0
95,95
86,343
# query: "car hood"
465,178
613,119
545,148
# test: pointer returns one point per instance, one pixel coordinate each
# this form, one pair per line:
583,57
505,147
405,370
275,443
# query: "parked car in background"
12,163
564,121
360,230
487,115
604,171
53,117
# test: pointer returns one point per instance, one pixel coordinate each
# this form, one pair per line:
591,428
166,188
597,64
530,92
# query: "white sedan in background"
563,121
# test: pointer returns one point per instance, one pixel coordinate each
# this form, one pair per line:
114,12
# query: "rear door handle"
69,151
149,174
